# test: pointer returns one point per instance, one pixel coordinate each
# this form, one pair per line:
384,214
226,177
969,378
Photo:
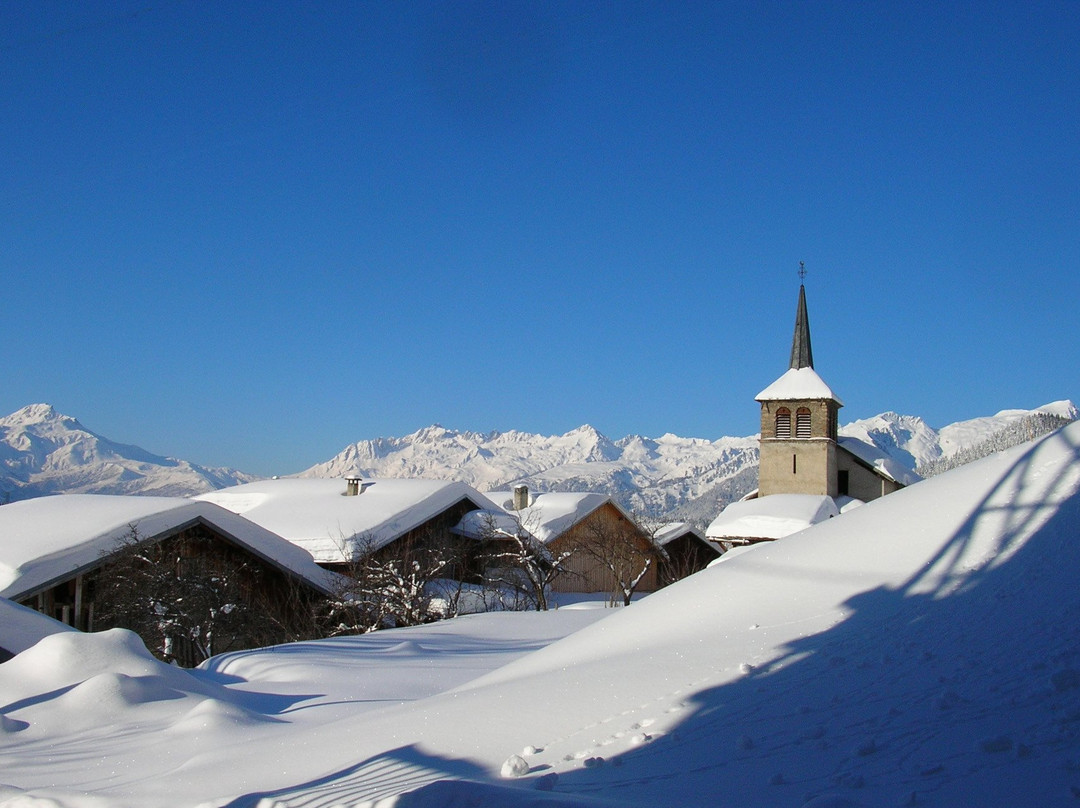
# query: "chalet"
53,550
338,521
802,453
594,527
686,551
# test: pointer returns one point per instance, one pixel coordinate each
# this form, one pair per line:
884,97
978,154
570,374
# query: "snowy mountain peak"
45,452
34,414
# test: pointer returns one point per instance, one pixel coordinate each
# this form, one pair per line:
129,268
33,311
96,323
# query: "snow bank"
915,651
20,628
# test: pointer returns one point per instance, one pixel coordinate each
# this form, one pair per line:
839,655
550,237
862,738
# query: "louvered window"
802,423
783,423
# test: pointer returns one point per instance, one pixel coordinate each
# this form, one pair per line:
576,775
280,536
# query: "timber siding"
586,573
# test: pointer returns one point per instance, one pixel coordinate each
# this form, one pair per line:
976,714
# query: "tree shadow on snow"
965,677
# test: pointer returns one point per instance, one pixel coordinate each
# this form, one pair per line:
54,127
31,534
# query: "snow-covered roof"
797,384
547,517
886,466
771,517
674,530
316,515
46,540
490,523
21,628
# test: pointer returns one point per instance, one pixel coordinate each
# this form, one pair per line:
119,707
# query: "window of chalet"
783,423
802,423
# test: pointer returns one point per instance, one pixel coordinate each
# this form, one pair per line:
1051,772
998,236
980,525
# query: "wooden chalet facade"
92,547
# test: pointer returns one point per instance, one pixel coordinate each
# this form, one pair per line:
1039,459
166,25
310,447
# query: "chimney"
354,484
521,497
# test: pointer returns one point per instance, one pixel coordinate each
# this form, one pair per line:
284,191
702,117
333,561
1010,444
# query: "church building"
807,471
801,452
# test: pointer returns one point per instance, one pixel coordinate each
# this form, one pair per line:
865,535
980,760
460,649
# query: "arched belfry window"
783,423
802,423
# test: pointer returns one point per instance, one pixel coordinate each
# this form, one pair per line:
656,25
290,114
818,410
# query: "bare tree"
191,596
621,547
517,562
396,585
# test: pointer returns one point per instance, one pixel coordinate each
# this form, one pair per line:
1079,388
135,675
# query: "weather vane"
802,271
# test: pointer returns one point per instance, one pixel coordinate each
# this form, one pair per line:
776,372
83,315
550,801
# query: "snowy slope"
915,651
914,443
44,452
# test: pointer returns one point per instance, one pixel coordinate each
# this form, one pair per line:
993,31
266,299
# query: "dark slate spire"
801,354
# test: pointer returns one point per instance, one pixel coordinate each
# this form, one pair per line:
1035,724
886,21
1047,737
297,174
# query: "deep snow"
919,650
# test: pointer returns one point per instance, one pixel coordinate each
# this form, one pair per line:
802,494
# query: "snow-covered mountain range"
686,478
44,452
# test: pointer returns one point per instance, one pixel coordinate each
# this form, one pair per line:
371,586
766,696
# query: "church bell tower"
799,422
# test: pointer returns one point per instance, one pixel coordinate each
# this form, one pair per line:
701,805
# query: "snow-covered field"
919,650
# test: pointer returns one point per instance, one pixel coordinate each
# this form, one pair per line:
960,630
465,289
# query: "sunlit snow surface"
919,650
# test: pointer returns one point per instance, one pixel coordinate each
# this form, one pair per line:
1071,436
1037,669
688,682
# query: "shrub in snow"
519,568
403,584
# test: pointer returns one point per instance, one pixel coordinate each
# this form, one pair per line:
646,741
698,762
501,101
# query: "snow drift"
918,650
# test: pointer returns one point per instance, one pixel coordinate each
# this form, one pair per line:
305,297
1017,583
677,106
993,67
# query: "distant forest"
1027,428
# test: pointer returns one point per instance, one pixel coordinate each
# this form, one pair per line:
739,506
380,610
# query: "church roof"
771,517
800,381
802,355
797,384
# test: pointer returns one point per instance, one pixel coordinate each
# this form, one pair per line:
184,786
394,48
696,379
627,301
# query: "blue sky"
248,234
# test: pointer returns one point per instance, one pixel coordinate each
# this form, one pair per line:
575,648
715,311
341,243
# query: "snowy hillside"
912,652
918,446
44,452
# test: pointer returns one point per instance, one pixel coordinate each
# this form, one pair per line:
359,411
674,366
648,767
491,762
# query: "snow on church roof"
50,539
316,515
796,384
884,465
771,517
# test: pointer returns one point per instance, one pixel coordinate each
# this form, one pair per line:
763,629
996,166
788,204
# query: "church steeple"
802,355
799,422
